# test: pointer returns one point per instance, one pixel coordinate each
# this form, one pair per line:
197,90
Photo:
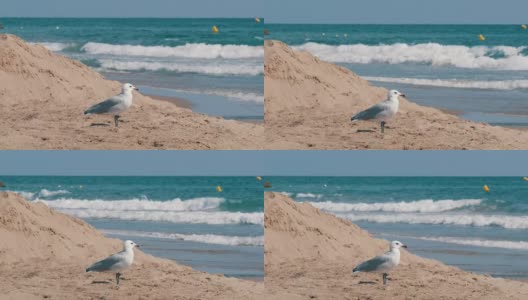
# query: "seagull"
114,105
117,262
382,263
382,111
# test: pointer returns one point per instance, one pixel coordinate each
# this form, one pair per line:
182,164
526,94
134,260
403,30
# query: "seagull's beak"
135,88
403,95
404,246
137,245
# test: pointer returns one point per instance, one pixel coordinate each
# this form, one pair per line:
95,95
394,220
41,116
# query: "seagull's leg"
116,120
382,126
117,278
385,278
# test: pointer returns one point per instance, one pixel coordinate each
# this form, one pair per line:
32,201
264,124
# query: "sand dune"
310,255
43,96
43,255
308,105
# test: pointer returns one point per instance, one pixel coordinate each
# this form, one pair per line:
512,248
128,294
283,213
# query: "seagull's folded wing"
104,106
106,264
373,264
369,113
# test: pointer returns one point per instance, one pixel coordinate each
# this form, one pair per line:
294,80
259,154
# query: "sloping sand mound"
43,97
311,254
44,253
309,103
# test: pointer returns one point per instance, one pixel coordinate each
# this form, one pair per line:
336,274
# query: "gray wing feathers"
105,264
104,106
369,113
371,264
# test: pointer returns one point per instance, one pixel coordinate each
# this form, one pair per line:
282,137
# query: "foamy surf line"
478,57
454,83
308,195
230,94
422,206
479,220
211,68
190,50
200,238
195,204
515,245
192,217
44,193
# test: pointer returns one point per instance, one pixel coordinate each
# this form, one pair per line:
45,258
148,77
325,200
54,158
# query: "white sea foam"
308,195
478,57
47,193
201,238
55,47
239,96
480,220
212,68
423,206
250,97
517,245
454,83
199,50
26,195
194,217
195,204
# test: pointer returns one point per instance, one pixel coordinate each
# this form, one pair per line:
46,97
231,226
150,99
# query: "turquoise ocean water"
450,219
221,74
180,218
444,66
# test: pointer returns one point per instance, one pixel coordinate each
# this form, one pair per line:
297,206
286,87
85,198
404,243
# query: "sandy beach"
43,96
45,253
310,254
309,103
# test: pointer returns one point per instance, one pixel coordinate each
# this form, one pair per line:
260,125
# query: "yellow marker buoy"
219,189
259,178
257,20
525,178
486,188
482,37
215,29
523,26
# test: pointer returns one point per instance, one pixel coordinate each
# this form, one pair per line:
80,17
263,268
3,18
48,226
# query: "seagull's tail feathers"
90,110
89,269
357,117
356,270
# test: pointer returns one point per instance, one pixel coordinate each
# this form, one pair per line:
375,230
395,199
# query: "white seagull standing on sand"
382,263
382,111
117,262
114,105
